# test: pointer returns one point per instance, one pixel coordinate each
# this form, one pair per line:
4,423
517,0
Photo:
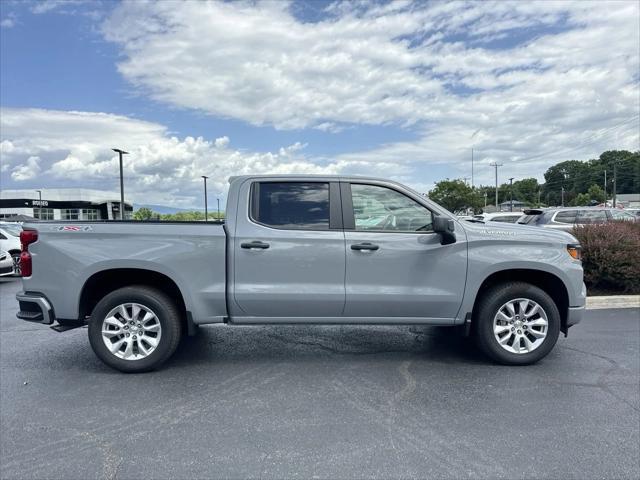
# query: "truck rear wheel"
517,323
135,329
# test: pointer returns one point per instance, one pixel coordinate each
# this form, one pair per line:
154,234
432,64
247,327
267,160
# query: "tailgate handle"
364,246
255,244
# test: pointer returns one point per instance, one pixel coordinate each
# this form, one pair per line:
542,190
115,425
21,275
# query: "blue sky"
396,89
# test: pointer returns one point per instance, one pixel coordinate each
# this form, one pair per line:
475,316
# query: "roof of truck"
306,176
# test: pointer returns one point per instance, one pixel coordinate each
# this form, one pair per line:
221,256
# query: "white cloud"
44,6
431,65
9,21
28,170
73,149
222,142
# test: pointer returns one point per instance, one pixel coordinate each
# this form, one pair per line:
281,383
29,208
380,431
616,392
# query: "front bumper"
575,315
35,308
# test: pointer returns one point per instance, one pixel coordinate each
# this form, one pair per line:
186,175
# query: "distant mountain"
164,210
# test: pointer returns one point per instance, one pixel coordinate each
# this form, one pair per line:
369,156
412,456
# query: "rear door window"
592,216
566,216
291,205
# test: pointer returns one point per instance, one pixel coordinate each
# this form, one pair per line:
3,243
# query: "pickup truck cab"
303,249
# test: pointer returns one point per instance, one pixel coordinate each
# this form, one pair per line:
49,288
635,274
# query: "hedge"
611,256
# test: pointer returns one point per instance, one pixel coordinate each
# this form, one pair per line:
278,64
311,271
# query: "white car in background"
10,242
502,217
6,264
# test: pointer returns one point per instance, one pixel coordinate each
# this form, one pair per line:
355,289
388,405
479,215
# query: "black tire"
490,303
15,256
166,313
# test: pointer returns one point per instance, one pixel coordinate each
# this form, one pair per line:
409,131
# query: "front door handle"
364,246
255,244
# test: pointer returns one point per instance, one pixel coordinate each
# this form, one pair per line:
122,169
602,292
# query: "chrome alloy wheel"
520,326
131,331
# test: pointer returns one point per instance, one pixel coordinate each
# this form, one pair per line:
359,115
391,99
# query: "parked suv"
567,218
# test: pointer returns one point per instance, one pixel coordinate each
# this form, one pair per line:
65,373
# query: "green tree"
596,194
581,200
143,213
526,190
456,196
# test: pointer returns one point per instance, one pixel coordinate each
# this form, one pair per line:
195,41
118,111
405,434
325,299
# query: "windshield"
12,230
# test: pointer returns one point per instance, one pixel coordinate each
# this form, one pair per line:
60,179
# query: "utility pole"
39,204
605,187
472,168
218,208
120,154
539,192
511,194
615,184
485,200
562,196
496,165
206,211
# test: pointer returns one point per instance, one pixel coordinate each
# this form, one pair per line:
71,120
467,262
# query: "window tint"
293,205
506,219
566,216
620,215
380,208
592,216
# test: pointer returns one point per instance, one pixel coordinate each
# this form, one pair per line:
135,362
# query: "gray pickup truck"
303,249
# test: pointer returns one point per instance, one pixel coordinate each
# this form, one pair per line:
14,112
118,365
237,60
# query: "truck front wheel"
135,329
516,323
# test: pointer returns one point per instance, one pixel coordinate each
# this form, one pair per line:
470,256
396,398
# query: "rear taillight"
27,237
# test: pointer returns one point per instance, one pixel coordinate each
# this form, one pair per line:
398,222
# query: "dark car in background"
565,218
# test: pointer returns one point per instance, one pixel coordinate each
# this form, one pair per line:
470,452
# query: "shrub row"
611,256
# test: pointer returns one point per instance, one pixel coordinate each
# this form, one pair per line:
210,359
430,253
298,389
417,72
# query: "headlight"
575,250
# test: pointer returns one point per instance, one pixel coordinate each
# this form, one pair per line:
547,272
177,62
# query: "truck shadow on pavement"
307,343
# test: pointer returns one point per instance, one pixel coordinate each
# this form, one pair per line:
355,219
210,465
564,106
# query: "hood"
505,231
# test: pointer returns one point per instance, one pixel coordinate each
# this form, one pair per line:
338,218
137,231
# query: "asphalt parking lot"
321,402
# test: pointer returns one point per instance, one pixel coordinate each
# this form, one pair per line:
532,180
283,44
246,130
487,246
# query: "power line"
586,142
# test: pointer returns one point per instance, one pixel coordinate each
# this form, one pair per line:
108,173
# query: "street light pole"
206,211
120,154
511,194
496,165
39,204
218,208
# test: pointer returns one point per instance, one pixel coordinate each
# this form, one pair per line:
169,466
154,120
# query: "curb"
613,301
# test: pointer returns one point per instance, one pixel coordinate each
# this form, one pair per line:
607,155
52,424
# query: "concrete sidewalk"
613,301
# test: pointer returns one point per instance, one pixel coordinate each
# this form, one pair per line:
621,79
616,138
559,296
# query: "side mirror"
446,228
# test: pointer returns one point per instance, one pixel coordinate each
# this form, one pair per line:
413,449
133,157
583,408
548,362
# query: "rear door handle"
364,246
255,244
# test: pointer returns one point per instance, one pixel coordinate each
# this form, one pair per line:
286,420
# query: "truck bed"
191,254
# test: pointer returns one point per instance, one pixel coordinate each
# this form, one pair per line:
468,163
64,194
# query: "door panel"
410,275
401,272
292,272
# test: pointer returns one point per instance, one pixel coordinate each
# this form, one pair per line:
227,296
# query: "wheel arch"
106,281
548,282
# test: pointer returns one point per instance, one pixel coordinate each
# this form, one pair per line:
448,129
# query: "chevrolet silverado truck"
303,249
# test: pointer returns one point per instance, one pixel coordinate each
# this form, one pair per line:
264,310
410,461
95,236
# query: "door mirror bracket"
446,228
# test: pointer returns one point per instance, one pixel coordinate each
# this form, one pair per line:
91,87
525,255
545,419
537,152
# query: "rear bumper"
35,308
575,315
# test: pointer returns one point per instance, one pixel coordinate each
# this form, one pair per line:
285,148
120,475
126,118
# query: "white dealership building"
63,204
